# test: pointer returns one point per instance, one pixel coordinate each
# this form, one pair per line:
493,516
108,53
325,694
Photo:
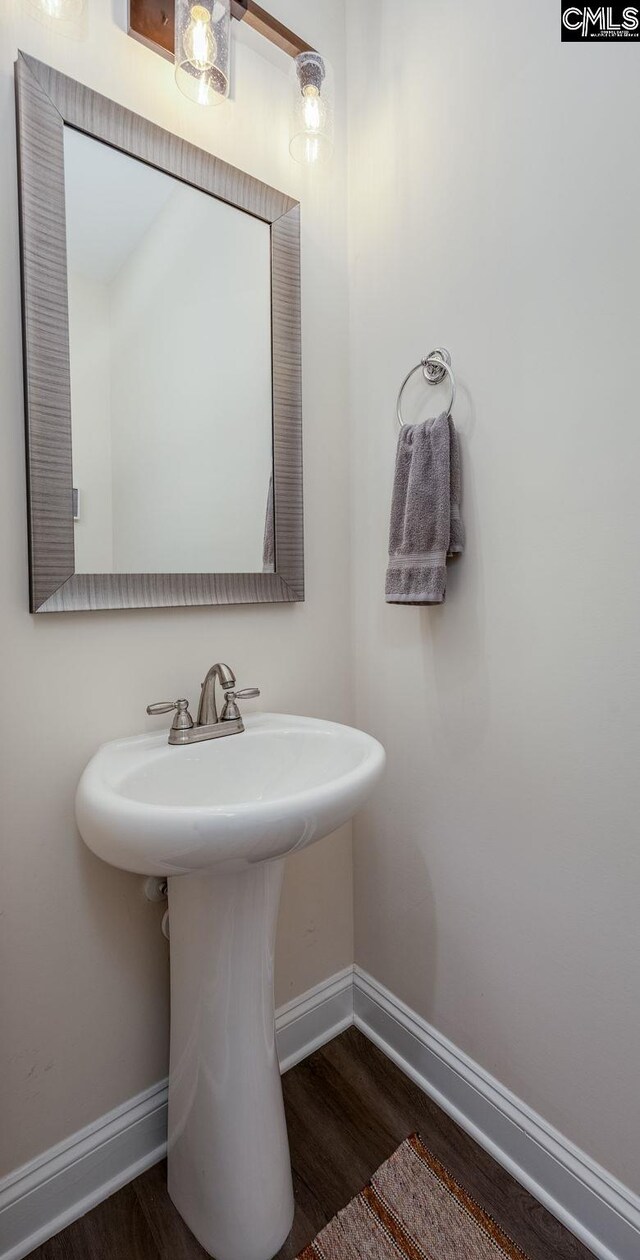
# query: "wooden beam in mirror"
52,112
152,22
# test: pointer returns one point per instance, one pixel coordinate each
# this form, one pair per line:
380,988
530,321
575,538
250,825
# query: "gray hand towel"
426,524
456,538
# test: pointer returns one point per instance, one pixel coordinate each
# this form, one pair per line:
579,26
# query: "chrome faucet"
207,725
208,709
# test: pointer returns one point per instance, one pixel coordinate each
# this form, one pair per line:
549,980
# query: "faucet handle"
231,712
183,720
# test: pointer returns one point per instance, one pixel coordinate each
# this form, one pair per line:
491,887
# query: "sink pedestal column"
229,1168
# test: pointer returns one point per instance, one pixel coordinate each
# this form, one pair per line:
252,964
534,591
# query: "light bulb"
200,45
311,149
311,110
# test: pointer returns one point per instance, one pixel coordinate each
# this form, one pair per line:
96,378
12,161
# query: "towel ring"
434,367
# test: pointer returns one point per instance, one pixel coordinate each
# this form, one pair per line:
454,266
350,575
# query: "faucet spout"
207,708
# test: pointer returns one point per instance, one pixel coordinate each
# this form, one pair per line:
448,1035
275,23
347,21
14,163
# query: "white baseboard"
40,1199
44,1196
308,1022
596,1207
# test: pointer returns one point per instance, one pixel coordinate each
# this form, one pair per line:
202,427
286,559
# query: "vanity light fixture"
196,35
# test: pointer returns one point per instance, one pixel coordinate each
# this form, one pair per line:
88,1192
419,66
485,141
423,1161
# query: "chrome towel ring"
434,367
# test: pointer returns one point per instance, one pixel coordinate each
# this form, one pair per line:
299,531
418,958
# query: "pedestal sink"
218,818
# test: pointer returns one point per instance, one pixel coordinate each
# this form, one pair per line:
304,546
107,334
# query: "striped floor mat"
412,1208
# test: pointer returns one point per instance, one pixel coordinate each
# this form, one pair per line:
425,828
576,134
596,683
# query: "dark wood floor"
348,1108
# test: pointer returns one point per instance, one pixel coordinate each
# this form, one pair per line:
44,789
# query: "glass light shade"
58,10
202,50
311,139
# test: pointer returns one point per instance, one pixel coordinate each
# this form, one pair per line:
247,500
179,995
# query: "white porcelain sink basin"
286,781
218,818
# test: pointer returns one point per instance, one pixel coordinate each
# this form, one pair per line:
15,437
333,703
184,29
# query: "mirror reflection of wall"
171,381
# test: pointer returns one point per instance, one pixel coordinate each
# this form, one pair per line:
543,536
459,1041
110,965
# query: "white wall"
494,207
84,966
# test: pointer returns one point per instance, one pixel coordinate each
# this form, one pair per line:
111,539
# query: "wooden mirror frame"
46,101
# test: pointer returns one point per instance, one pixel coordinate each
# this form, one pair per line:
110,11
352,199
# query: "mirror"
170,358
169,295
161,306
